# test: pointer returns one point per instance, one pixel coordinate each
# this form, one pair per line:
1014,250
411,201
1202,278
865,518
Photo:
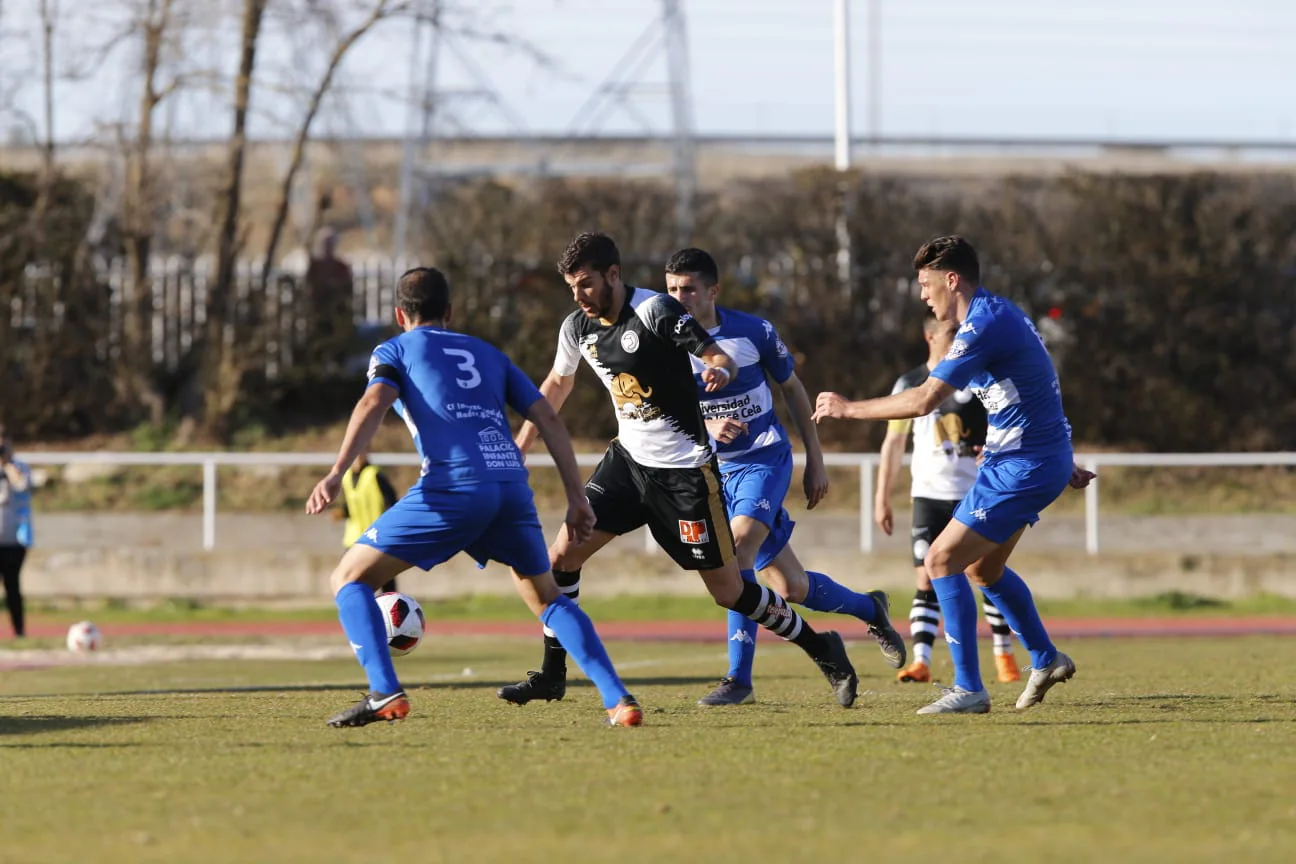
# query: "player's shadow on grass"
38,724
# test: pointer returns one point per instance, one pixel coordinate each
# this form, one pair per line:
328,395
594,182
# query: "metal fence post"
1091,510
866,505
209,504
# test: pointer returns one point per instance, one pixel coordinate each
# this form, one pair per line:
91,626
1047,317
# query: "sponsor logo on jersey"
694,533
682,323
626,390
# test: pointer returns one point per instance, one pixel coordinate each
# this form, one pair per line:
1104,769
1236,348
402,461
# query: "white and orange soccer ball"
404,619
83,637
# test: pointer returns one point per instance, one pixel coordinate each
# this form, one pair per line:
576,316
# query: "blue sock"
742,641
1017,606
959,608
825,595
576,632
363,624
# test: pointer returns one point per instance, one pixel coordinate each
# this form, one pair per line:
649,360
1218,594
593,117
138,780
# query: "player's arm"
670,321
580,516
720,367
366,418
555,389
815,479
892,454
914,402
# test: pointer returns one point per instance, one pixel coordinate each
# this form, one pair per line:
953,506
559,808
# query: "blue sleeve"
385,367
971,352
775,357
519,391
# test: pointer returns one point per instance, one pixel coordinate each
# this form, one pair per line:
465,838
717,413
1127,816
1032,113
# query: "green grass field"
1159,750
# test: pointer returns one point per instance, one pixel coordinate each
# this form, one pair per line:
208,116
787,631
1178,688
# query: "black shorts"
930,516
683,507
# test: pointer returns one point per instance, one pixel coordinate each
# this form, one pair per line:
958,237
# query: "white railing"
865,463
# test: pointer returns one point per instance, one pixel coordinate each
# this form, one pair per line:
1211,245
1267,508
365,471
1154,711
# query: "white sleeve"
568,356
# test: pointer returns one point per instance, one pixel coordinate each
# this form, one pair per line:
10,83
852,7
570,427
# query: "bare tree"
222,372
380,9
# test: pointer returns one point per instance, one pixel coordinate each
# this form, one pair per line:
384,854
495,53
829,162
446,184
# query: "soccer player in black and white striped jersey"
946,443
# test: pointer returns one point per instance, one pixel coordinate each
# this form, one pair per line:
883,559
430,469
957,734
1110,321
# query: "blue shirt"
756,350
453,390
999,355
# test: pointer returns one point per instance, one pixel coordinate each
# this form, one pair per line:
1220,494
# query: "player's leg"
735,688
1001,634
817,591
924,623
687,517
618,509
953,550
1011,596
362,569
930,516
11,562
1012,494
564,618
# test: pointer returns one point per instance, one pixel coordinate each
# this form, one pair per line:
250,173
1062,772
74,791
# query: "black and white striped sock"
772,612
999,628
924,621
555,656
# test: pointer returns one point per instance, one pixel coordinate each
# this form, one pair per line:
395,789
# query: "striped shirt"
759,354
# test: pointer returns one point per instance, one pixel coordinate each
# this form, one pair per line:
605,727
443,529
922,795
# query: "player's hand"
522,451
815,482
324,493
883,517
1080,477
829,405
580,520
726,430
715,378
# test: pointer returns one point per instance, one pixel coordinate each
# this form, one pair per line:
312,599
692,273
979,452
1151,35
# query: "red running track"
691,631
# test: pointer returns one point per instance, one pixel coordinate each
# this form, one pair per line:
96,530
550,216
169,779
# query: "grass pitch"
1159,750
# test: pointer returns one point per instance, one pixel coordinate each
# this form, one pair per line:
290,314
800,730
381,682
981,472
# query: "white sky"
1127,69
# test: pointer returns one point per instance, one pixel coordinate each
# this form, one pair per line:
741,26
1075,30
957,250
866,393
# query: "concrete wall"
288,557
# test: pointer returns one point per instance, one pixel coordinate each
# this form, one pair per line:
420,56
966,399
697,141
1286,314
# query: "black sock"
774,614
924,621
555,656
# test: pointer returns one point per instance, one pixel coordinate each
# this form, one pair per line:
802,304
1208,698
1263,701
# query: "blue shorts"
1009,493
757,490
489,521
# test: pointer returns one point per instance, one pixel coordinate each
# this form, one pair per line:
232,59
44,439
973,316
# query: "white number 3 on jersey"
467,365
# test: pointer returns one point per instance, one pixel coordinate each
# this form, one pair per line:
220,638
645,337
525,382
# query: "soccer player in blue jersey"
998,353
472,494
756,468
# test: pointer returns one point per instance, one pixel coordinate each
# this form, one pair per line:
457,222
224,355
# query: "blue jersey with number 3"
453,390
999,355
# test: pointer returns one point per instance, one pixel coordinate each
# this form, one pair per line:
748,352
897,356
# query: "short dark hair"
694,260
423,294
952,253
591,249
932,324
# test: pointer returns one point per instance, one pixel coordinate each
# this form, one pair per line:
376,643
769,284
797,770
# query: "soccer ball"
404,619
83,636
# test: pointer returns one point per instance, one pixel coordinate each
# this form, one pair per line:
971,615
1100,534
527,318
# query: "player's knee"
983,574
344,574
937,562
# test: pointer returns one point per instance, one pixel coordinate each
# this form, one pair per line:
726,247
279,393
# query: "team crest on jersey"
628,394
694,533
630,341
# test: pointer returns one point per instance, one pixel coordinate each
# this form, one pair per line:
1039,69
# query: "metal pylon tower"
434,108
625,88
